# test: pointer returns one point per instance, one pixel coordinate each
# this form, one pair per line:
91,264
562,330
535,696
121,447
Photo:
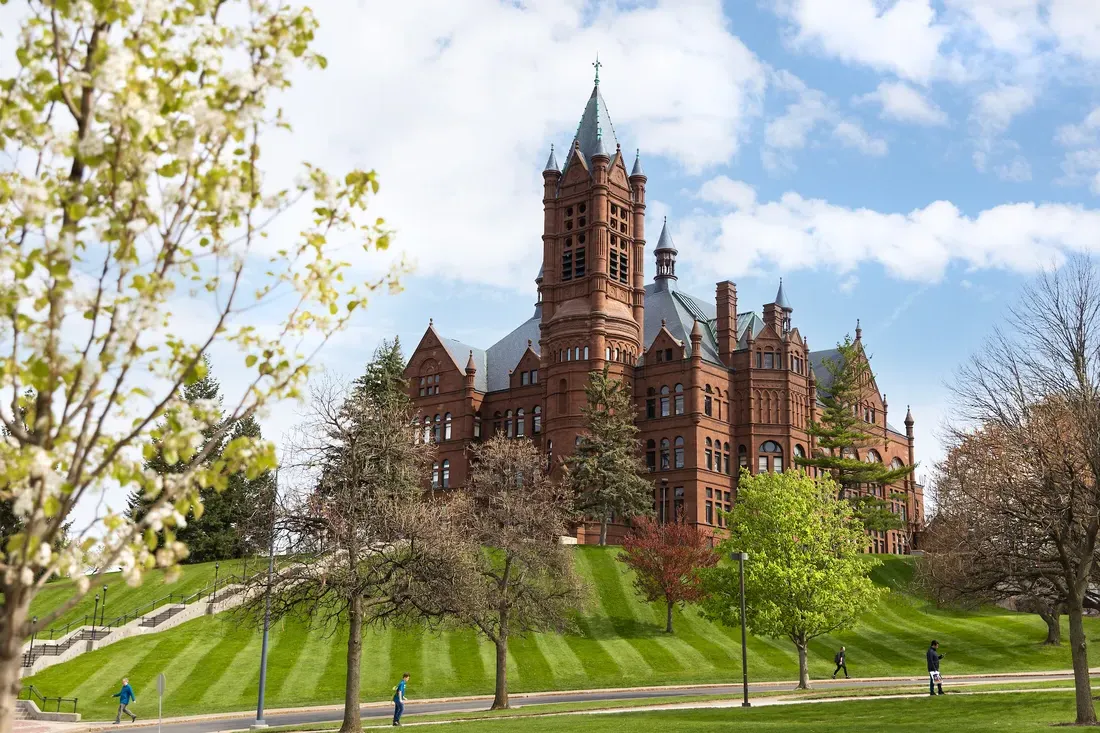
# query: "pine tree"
605,470
840,428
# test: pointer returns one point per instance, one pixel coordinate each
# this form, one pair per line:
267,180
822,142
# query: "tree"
524,579
373,548
133,184
666,560
1034,389
805,576
841,428
605,470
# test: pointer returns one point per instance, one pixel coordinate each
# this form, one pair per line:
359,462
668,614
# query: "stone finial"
859,331
471,367
908,416
696,332
663,323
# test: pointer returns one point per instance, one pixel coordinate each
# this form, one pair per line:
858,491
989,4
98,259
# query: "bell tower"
593,286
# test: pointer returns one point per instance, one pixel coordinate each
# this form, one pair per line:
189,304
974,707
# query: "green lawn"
1009,713
121,598
211,663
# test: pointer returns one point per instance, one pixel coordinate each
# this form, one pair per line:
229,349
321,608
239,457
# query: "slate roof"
460,352
825,379
637,169
595,131
506,353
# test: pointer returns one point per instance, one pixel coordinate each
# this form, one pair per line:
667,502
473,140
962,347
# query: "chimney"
727,321
774,316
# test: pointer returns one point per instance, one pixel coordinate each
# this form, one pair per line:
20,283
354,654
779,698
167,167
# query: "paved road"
374,712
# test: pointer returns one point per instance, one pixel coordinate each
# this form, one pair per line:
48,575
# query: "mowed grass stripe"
596,660
305,676
435,661
224,646
331,686
597,626
236,690
565,667
464,649
534,671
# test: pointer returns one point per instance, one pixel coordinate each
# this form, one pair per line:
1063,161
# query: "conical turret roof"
781,298
665,241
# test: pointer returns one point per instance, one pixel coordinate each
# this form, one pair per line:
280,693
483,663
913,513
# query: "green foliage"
805,576
840,427
605,471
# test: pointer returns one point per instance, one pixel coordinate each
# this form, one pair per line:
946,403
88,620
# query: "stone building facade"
717,388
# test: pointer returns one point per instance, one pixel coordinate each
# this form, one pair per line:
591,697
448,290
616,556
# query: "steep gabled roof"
460,352
506,353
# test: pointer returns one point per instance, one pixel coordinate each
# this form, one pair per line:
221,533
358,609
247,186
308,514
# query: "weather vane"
597,65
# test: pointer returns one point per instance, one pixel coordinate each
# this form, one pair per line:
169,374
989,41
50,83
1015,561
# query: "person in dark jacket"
934,679
839,660
125,697
399,699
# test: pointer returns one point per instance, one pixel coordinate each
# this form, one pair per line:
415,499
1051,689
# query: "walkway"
383,710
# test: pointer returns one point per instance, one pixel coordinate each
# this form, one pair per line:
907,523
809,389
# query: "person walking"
399,699
125,697
934,679
840,664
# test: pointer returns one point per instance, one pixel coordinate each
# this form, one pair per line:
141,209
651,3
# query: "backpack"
837,658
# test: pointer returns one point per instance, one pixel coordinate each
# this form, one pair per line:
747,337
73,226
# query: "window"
759,360
427,429
777,464
496,423
873,456
896,464
586,352
477,424
799,451
773,448
709,453
549,454
678,504
576,441
423,389
536,420
742,457
664,454
662,507
660,356
664,401
624,265
579,266
447,426
668,354
651,455
509,426
679,400
762,464
521,423
446,474
678,456
710,512
534,376
616,354
708,407
726,458
435,429
577,353
650,407
524,378
768,360
567,264
607,353
435,475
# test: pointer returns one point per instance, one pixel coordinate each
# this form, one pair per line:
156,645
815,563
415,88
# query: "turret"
666,260
696,345
471,372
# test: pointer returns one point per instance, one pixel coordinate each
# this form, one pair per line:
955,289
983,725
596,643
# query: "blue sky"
909,162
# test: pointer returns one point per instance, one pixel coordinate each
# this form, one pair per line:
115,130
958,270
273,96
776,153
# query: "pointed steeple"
552,162
666,256
471,368
595,127
908,416
859,331
599,150
781,298
637,170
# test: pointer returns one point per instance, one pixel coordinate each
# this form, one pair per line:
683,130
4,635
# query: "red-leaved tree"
666,559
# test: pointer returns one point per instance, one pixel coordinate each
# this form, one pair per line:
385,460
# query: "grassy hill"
212,663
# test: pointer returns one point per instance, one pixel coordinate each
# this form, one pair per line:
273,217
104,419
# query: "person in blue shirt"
399,699
125,697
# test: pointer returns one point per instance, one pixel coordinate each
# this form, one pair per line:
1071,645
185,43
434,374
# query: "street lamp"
260,723
103,613
741,557
216,566
95,615
34,630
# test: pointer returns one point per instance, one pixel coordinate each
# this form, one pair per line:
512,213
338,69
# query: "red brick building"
717,388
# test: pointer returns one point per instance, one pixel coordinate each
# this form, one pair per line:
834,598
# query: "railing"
32,693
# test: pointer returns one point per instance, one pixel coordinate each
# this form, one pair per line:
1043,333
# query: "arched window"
521,423
509,426
561,355
799,451
446,474
678,400
447,426
576,353
651,454
576,441
617,354
435,475
536,420
709,454
586,352
496,423
664,401
896,464
775,452
664,454
678,454
742,457
849,453
873,456
607,353
477,424
708,406
726,458
435,430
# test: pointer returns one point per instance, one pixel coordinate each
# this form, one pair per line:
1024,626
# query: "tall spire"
552,162
637,171
781,299
666,255
595,127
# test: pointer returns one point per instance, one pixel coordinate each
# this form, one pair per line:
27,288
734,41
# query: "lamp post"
95,615
216,566
741,557
34,630
260,723
103,613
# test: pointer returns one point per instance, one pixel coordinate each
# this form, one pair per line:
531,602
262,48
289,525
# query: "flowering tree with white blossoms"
131,187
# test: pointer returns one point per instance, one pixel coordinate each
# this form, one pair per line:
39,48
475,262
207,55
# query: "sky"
907,163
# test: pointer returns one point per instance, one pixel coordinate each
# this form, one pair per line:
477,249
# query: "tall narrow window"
435,430
708,405
613,263
576,353
762,464
679,400
509,426
709,453
678,504
726,458
678,454
624,265
650,404
523,378
534,376
651,454
435,475
742,457
536,420
427,429
496,423
521,423
759,360
446,474
477,424
710,512
447,426
662,511
549,455
664,401
664,454
586,352
578,267
567,265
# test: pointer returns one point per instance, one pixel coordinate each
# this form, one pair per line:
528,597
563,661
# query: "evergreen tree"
605,470
841,428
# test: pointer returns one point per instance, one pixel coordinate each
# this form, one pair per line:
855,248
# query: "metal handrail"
33,692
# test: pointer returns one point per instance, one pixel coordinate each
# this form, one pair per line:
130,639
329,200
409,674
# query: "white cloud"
991,117
810,109
795,232
456,105
1082,142
848,284
902,37
1017,170
903,103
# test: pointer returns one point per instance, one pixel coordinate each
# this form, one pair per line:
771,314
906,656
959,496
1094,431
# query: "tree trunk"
1086,713
668,623
352,722
1053,620
11,660
500,696
803,667
603,530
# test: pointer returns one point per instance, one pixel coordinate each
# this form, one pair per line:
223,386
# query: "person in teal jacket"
399,699
125,697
